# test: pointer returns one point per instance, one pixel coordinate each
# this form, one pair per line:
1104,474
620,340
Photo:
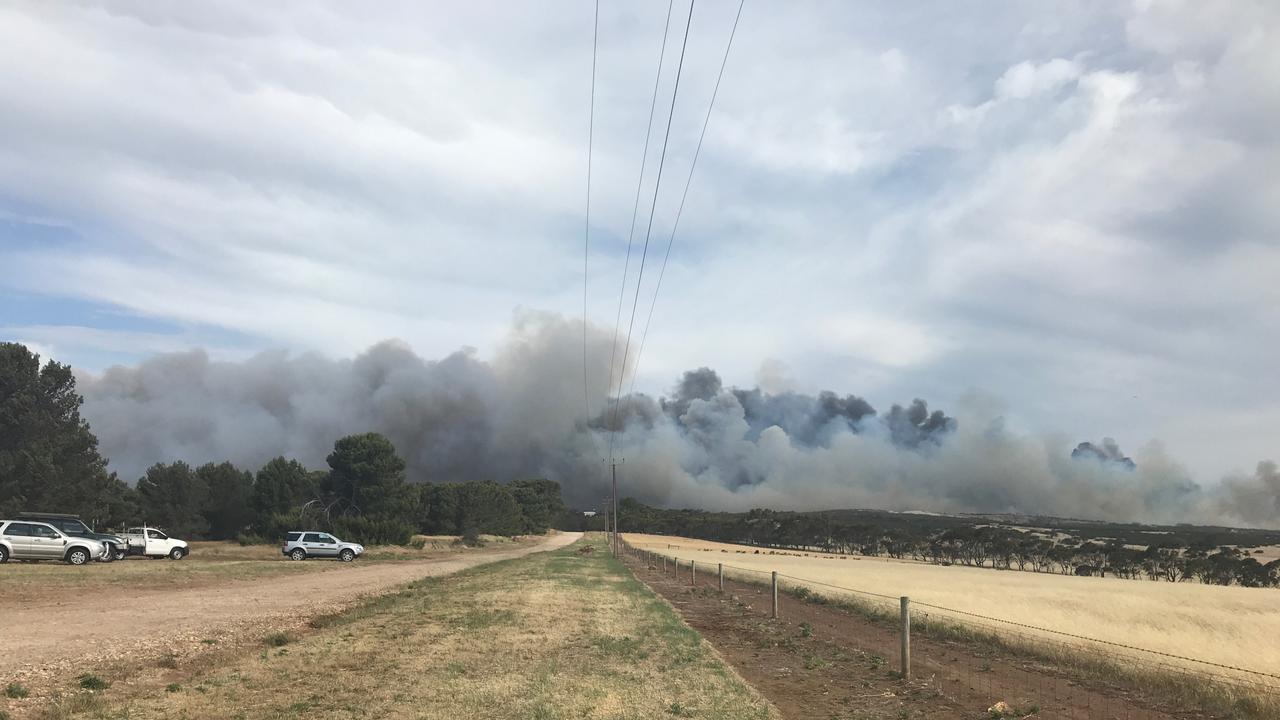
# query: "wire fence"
998,667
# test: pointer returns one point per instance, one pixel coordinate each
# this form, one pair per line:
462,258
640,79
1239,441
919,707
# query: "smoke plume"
1107,452
523,414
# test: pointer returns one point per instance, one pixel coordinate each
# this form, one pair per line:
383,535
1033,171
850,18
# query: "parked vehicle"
154,543
30,540
72,525
307,544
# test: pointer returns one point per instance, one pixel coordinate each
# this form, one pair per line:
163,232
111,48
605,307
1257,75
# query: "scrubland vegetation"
1175,553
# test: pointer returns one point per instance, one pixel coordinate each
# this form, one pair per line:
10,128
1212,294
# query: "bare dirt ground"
70,633
818,661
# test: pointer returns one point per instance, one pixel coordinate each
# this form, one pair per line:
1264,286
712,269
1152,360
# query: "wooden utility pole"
617,541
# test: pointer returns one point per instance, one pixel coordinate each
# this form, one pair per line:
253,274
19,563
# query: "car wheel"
298,554
119,554
4,555
78,556
347,556
176,554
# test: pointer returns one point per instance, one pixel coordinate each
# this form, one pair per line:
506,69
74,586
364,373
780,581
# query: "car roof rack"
38,515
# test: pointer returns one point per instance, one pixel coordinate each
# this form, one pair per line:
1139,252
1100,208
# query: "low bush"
278,639
93,682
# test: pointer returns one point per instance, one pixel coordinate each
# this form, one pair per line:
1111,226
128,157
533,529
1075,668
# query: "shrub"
278,639
246,539
172,687
16,691
373,531
93,682
471,537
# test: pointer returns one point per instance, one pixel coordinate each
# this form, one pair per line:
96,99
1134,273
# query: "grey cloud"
522,414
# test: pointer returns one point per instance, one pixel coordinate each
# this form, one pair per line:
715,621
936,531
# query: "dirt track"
82,632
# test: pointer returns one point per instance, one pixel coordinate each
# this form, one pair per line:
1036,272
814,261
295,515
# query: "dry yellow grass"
552,635
1228,625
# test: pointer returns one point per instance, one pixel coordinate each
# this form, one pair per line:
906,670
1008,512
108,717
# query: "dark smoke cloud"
522,414
1107,452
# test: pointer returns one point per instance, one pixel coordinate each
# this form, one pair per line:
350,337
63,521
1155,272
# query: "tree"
367,476
173,497
439,509
540,504
281,486
228,511
487,507
49,458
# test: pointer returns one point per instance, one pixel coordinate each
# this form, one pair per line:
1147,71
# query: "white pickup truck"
151,542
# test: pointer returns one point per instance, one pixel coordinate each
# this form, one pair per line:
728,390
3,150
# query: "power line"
635,210
688,181
586,234
649,230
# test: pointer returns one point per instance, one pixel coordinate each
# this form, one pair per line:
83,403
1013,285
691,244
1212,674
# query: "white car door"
157,542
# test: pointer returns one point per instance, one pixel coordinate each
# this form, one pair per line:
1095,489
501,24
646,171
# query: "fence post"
773,613
693,572
906,637
720,572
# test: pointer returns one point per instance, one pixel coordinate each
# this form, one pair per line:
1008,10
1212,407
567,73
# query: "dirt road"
76,633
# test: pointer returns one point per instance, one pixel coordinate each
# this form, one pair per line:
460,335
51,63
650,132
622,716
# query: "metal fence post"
720,572
693,572
906,637
773,613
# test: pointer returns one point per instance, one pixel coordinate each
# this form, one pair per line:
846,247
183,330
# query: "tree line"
49,461
959,541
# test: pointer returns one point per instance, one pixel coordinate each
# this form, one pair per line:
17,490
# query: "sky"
1070,209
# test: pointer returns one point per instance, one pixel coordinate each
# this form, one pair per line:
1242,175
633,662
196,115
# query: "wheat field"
1229,625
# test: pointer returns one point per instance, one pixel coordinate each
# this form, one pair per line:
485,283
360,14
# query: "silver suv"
29,540
308,544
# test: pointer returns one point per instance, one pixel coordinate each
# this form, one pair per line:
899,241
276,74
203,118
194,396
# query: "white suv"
304,544
29,540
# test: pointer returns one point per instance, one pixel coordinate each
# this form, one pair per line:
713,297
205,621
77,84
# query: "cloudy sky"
1073,208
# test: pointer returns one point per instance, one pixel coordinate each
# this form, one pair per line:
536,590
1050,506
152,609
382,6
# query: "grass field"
568,634
1230,625
210,563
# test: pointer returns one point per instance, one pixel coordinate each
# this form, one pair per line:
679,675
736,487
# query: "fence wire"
1048,685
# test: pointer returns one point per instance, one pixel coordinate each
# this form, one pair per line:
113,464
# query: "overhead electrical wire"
644,336
675,93
586,234
635,210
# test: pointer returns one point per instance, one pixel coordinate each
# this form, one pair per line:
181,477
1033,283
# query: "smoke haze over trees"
521,414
